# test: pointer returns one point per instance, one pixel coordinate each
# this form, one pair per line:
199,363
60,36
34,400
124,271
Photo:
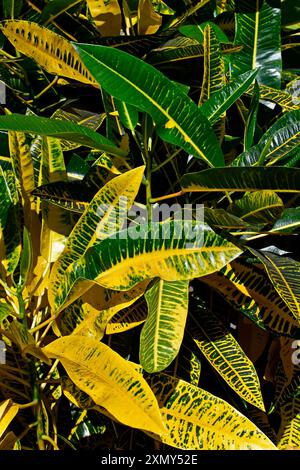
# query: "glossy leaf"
178,119
280,179
133,255
162,334
106,15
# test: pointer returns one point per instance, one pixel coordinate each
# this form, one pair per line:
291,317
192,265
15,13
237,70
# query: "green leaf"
259,33
178,119
227,96
251,119
278,179
55,8
288,222
128,114
163,331
26,260
198,420
226,355
166,250
197,32
60,130
5,310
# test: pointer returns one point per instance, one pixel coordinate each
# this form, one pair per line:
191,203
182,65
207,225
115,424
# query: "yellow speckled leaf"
198,420
289,432
109,380
51,51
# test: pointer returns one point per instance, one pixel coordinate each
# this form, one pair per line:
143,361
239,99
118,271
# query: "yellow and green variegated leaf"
21,160
162,334
164,250
52,162
287,378
289,432
247,289
198,420
280,97
104,216
284,274
288,222
82,117
107,16
10,233
51,51
261,420
5,310
149,21
109,380
258,206
219,218
182,48
226,356
25,341
214,71
187,365
94,309
8,411
128,318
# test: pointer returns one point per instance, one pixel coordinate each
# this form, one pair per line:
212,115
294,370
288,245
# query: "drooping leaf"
156,250
163,331
277,179
226,356
198,420
52,52
177,118
108,379
60,130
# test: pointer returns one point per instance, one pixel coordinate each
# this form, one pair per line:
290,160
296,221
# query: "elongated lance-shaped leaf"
247,289
128,114
10,218
52,162
251,123
198,420
214,72
178,119
21,160
198,32
60,130
217,104
280,97
288,222
166,250
225,354
105,215
289,433
284,274
107,16
109,380
51,51
176,50
287,377
258,206
163,331
277,179
259,34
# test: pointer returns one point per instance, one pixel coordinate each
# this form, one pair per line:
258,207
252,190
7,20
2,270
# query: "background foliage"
122,343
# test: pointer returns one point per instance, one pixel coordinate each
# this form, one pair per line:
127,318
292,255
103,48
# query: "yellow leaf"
148,20
8,411
107,16
51,51
110,380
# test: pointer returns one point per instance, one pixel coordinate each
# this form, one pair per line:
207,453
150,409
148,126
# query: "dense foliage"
117,331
